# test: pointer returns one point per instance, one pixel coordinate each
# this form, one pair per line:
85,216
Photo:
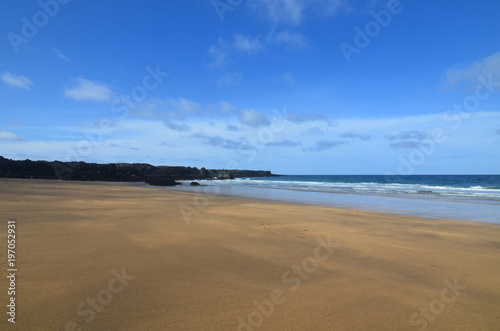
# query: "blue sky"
291,86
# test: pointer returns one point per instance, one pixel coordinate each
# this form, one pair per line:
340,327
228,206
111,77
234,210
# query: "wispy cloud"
351,135
247,44
409,135
218,141
16,80
291,12
59,54
252,117
284,143
332,7
287,38
216,144
177,127
280,11
6,135
408,139
324,145
88,90
172,112
221,52
469,74
313,131
407,144
292,117
225,109
185,106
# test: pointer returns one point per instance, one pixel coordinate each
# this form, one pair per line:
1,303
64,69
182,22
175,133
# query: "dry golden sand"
206,274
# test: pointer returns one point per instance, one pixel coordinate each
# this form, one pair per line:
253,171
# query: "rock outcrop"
224,174
124,172
162,181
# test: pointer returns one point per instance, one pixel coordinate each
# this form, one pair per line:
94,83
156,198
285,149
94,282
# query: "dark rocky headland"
122,172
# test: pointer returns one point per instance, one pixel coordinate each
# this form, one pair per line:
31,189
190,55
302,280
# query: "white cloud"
280,11
353,135
223,49
225,109
179,127
16,81
88,90
220,53
172,113
6,135
291,12
484,67
331,7
185,106
218,141
252,117
324,145
359,145
171,110
285,37
247,44
59,54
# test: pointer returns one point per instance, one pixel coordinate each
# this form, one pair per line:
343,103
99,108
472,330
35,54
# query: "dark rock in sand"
162,181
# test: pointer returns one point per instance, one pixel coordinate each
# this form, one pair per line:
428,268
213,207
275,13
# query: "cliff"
124,172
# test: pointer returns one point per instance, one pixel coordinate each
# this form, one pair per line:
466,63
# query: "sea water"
464,197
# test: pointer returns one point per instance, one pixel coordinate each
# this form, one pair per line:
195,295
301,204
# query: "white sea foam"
461,199
400,189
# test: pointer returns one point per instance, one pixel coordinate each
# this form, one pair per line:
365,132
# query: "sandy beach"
121,256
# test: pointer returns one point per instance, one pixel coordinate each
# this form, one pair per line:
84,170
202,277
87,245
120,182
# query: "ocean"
464,197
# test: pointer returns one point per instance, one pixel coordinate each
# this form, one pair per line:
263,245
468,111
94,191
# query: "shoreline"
239,264
439,209
186,188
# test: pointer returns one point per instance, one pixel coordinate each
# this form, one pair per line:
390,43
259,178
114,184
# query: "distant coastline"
121,172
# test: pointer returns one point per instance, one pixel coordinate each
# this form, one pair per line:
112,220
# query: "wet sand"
119,256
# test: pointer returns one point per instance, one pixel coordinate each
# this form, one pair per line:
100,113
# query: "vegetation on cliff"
124,172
